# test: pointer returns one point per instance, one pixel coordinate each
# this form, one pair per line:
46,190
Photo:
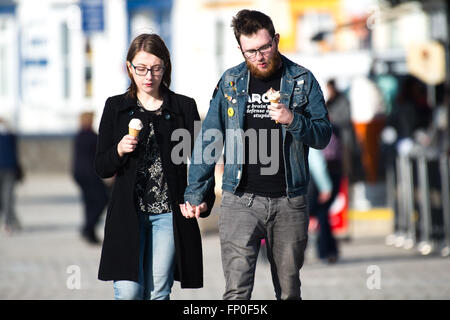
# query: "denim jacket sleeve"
201,169
312,126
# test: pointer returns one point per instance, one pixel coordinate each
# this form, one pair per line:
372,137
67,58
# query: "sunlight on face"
149,83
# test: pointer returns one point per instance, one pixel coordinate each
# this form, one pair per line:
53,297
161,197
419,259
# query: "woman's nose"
149,74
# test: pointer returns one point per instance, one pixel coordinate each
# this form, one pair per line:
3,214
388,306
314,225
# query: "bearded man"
263,194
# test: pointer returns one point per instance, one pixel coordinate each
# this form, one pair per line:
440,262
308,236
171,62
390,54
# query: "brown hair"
86,119
153,44
248,22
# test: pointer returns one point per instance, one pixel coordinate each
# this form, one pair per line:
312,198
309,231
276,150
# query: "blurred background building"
59,58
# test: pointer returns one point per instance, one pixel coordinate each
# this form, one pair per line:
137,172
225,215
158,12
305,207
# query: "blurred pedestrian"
324,187
10,173
94,192
148,243
411,114
261,201
368,117
340,117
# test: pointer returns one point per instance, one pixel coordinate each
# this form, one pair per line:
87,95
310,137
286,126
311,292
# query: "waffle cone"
133,132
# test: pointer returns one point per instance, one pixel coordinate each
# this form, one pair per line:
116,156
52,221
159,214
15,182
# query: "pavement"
48,260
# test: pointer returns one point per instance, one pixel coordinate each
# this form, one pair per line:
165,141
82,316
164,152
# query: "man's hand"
280,113
189,211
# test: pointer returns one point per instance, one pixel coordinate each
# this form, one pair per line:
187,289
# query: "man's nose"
261,56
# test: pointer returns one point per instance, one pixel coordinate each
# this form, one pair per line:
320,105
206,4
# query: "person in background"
10,173
340,116
94,192
323,189
148,243
368,112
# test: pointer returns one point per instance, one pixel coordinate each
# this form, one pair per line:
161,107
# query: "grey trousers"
244,220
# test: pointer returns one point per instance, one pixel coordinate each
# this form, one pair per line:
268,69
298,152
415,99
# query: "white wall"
8,68
196,68
43,106
109,55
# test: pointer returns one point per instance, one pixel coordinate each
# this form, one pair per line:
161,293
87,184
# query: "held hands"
189,211
280,113
324,196
127,144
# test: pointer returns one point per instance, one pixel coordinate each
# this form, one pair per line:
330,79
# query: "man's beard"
272,66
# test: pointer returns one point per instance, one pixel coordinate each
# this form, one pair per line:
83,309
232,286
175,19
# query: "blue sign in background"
92,16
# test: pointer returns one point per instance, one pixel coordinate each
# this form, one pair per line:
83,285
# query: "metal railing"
421,202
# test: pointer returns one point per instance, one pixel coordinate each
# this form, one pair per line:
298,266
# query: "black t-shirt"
263,171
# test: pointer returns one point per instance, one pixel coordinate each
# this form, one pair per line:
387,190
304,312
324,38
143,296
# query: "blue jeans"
156,261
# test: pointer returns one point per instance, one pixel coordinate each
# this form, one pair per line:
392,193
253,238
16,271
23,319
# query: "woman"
148,243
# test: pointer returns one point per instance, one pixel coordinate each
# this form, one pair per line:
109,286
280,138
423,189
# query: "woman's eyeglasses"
154,71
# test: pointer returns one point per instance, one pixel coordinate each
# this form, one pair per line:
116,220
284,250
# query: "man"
263,198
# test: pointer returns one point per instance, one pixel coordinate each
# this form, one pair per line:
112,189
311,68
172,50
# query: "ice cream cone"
274,97
134,127
275,101
133,132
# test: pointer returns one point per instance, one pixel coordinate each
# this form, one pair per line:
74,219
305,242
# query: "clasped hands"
191,211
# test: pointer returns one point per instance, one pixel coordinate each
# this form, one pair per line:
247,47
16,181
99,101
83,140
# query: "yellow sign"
426,61
230,112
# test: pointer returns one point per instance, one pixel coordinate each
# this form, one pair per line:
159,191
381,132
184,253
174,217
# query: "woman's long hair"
153,44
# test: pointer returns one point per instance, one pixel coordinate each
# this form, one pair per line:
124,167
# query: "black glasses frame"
253,53
151,70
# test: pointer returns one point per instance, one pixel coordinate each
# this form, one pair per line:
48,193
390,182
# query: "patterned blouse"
152,192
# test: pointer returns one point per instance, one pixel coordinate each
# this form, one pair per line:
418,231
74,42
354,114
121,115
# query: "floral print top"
152,192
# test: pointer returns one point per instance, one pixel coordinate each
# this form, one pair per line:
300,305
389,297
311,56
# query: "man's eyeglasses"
252,53
154,71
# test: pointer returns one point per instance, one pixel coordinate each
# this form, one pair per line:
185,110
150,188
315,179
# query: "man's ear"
277,38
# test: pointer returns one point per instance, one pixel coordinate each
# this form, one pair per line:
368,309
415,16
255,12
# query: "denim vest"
310,127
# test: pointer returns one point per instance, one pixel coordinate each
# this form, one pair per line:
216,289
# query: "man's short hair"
248,22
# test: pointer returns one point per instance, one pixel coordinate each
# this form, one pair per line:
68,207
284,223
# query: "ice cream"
134,127
274,96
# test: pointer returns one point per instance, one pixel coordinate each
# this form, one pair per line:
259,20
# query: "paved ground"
48,260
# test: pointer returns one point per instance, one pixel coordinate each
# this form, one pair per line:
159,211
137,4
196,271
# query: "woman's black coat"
120,252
